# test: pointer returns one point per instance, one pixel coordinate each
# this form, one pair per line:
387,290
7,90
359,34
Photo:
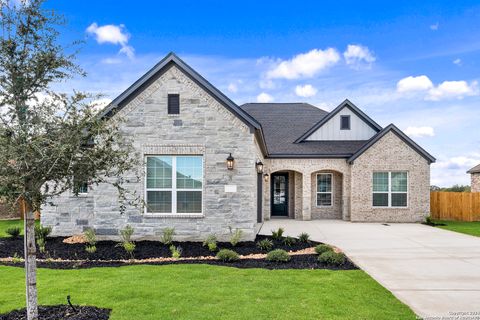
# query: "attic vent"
344,122
173,104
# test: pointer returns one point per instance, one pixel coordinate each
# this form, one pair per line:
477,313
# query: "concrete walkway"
436,272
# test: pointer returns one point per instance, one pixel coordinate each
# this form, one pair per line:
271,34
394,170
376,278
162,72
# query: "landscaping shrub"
176,251
16,258
211,243
167,236
13,232
227,255
321,248
91,238
236,236
127,244
332,258
278,255
289,241
265,244
304,237
278,234
41,234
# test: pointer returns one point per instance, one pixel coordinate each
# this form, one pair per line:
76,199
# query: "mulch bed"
60,255
61,312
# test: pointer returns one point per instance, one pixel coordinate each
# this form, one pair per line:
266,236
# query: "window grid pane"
380,199
159,201
189,172
399,199
324,183
399,181
324,199
390,189
159,172
380,182
189,201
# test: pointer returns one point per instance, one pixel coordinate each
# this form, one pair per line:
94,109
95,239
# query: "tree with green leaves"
50,141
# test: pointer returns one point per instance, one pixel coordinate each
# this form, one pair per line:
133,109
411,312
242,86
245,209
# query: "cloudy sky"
415,64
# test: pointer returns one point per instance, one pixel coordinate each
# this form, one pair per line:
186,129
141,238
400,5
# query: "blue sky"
413,63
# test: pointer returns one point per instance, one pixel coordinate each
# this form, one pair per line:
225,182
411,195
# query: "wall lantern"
265,177
230,161
259,166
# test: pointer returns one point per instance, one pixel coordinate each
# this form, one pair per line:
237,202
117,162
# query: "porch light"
259,166
230,161
265,177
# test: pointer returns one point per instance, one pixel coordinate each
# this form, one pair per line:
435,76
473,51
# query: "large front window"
174,184
324,190
390,189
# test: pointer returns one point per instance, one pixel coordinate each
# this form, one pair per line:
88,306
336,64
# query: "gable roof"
475,169
401,135
345,104
283,123
154,73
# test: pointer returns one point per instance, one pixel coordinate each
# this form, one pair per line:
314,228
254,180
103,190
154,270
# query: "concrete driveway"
436,272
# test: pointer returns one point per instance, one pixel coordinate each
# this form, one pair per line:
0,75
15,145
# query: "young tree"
49,141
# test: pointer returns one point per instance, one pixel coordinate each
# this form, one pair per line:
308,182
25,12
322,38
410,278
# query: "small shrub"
265,244
41,234
278,255
127,243
289,241
236,236
332,258
304,237
211,243
16,258
321,248
129,247
227,255
13,232
167,236
278,234
91,238
176,251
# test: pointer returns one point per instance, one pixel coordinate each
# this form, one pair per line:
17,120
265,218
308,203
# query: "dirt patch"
61,312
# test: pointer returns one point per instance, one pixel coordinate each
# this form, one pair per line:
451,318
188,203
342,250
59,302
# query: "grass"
210,292
471,228
5,224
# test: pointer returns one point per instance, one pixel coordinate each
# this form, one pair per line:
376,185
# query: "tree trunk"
30,265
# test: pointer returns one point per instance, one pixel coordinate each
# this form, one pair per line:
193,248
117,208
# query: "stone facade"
475,182
390,153
203,127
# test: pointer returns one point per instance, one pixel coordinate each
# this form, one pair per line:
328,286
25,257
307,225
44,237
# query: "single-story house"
211,165
475,178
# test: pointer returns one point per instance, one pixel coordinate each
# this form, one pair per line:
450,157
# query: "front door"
279,194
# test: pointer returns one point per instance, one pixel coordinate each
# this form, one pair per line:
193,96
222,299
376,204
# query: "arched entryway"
283,195
327,194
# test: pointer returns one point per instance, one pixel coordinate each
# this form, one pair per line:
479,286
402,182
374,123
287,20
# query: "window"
344,122
174,184
390,189
324,190
80,187
173,104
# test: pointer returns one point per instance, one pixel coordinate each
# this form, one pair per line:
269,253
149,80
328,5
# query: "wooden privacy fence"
460,206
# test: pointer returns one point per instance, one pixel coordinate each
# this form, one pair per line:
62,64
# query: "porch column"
307,196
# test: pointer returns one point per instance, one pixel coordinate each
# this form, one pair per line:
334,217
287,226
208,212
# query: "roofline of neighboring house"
401,135
346,103
153,74
475,169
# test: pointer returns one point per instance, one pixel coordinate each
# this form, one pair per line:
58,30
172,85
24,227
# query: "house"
475,178
211,165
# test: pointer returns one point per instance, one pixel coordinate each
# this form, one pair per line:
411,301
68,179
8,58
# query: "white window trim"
390,192
173,189
331,190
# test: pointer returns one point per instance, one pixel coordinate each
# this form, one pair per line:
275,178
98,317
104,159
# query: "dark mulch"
306,261
109,250
61,312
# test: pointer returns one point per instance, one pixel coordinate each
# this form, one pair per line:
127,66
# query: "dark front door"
279,196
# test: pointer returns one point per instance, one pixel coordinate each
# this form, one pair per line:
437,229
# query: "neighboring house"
211,164
475,178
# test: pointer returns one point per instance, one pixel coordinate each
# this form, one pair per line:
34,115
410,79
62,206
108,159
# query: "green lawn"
471,228
210,292
5,224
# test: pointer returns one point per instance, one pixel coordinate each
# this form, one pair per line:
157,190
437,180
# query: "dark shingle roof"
283,123
475,169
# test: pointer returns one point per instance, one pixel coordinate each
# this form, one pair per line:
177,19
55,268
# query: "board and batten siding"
359,130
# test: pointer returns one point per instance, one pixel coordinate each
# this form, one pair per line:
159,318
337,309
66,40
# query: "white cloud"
304,65
264,97
100,104
358,56
232,87
305,91
419,132
113,34
434,27
453,89
458,61
420,83
449,171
